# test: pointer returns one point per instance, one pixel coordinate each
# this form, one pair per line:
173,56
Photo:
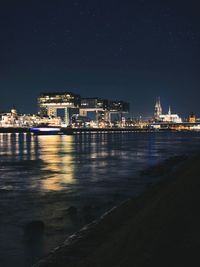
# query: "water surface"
68,181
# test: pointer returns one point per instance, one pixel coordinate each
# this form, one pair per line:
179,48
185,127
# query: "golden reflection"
17,144
24,144
56,153
32,148
7,145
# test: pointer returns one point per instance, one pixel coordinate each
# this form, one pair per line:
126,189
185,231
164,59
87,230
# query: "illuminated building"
119,108
103,109
75,111
9,119
96,105
157,109
171,118
13,119
78,121
192,118
50,103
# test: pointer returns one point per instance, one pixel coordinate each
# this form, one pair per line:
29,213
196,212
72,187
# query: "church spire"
169,112
157,109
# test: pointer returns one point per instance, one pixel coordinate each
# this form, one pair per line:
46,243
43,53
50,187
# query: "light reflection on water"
58,154
41,177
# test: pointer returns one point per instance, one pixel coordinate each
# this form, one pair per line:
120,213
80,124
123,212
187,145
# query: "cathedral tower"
157,109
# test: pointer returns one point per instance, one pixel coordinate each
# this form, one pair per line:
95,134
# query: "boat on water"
45,131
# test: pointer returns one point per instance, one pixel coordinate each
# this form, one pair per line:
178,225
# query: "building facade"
171,118
72,104
50,103
168,118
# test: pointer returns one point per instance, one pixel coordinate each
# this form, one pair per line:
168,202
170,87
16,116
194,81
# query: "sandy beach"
158,228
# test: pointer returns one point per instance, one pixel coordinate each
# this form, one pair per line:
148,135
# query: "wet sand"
159,228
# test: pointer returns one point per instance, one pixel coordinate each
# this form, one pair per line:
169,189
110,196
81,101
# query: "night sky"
130,50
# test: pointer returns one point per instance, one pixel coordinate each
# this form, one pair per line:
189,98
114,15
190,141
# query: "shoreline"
101,243
72,131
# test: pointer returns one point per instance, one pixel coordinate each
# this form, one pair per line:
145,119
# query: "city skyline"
121,101
132,51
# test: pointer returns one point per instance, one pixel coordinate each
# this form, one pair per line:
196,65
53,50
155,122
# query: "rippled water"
46,177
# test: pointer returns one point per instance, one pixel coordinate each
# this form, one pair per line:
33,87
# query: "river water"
68,181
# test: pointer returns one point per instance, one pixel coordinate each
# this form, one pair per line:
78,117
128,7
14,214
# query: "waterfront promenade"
159,228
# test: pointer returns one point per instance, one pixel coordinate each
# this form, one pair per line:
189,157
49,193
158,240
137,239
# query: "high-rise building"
103,108
50,103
